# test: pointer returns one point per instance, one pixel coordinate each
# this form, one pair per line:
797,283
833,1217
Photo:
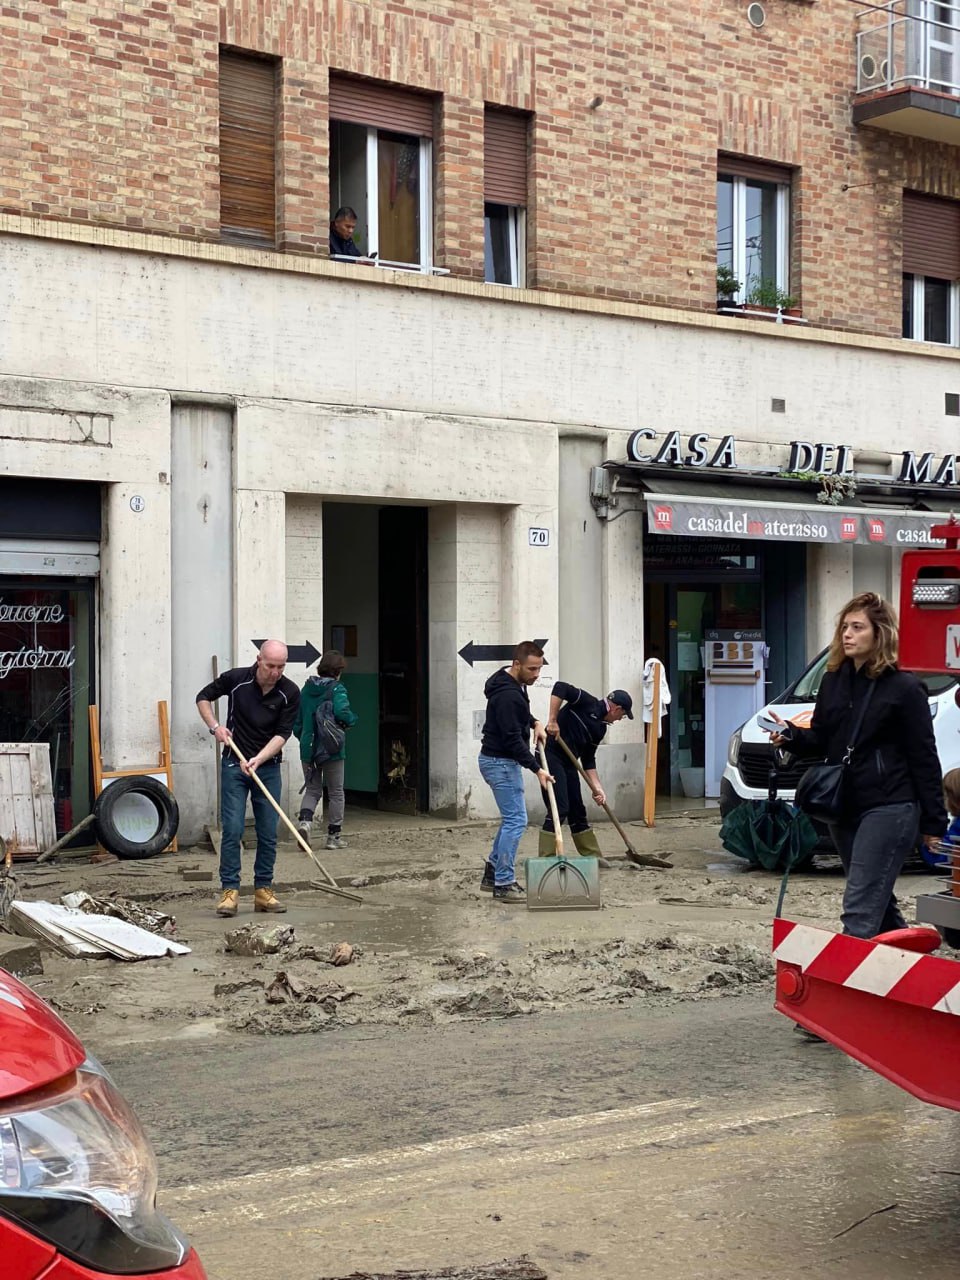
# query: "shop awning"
774,514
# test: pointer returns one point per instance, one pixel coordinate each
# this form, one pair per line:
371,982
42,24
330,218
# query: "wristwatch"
214,729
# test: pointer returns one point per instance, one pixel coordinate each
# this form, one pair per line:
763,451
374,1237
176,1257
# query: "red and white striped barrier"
930,982
891,1008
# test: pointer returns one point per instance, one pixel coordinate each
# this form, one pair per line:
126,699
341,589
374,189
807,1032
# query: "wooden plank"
41,785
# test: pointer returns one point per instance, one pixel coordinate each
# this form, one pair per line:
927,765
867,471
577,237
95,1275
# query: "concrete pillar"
580,554
830,586
620,761
134,621
201,495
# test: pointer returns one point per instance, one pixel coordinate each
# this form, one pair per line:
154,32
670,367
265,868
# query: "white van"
750,755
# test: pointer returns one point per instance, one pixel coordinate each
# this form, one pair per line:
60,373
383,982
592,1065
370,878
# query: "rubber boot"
588,846
547,844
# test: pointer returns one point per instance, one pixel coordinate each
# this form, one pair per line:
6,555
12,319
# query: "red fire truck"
890,1001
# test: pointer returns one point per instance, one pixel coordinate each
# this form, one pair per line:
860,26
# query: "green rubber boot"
547,844
588,846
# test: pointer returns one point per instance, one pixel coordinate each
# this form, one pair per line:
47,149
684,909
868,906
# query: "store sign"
700,450
694,519
24,618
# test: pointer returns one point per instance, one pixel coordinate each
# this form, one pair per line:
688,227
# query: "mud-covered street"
429,947
606,1093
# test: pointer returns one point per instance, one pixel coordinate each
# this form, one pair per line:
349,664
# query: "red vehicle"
888,1001
78,1178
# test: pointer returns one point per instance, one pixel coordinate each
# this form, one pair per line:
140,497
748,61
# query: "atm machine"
734,664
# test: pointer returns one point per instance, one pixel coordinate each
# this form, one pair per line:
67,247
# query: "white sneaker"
303,828
335,842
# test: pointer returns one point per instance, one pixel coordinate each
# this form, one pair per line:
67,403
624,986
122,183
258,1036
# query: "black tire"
951,937
106,818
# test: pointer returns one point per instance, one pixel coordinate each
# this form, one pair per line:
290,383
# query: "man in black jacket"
262,706
504,753
581,720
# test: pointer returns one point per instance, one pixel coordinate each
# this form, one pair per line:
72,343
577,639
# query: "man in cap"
581,720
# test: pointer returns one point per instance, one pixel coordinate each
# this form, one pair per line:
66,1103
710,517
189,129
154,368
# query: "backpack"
328,735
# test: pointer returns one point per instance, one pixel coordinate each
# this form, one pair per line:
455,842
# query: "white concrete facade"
240,398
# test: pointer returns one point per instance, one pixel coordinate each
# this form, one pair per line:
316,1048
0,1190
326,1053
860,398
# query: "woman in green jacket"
324,686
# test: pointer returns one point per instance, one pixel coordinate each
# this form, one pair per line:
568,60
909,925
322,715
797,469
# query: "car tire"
951,937
114,833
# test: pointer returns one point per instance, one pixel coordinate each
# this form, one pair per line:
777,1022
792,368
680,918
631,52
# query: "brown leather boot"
229,902
266,900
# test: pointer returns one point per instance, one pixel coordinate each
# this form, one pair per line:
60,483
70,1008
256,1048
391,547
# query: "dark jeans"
235,786
873,853
566,788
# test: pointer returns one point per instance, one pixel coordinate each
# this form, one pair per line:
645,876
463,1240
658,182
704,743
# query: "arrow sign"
472,653
304,653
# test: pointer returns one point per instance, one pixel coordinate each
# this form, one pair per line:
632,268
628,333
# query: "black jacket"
346,248
254,717
895,756
581,723
506,730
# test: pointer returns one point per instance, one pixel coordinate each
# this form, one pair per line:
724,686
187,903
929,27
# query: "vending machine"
734,664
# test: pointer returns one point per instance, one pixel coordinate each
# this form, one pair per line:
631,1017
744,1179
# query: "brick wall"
108,114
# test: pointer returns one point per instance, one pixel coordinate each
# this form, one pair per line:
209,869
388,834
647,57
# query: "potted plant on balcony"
765,294
728,286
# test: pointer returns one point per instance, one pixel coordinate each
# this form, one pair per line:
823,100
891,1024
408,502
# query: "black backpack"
328,735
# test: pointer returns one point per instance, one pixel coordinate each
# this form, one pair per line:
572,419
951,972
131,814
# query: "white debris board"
27,823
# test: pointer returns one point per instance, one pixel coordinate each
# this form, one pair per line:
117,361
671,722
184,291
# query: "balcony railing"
909,44
908,69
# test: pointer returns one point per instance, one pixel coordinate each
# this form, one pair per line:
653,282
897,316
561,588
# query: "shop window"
931,269
753,225
381,165
46,681
505,136
248,149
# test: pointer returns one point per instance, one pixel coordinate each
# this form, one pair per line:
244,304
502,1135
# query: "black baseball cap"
622,699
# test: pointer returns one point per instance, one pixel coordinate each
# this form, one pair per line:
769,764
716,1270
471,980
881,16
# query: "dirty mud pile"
427,946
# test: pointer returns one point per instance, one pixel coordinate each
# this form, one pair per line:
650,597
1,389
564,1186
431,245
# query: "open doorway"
375,613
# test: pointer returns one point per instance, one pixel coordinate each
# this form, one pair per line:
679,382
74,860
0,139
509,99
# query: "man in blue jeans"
504,754
262,706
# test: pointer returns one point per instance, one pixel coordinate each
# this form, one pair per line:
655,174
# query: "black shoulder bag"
820,790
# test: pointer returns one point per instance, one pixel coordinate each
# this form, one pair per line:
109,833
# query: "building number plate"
539,537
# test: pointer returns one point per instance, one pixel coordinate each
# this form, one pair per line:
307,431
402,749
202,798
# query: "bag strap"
859,722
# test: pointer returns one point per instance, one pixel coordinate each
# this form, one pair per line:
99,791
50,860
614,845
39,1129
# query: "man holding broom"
581,721
262,706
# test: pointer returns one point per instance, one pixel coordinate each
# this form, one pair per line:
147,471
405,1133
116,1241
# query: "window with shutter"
248,148
505,136
931,268
381,152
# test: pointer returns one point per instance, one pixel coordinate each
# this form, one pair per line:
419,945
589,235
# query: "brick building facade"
256,440
111,118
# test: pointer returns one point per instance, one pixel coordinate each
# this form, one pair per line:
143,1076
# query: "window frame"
919,312
738,233
517,244
425,265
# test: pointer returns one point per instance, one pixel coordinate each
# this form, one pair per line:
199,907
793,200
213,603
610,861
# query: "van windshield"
808,686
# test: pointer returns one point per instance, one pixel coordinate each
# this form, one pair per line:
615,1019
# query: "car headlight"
733,746
77,1170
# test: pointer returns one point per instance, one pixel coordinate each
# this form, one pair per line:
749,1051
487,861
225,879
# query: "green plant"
727,282
764,292
833,488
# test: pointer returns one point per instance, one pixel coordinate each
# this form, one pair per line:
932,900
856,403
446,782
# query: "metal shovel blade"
563,884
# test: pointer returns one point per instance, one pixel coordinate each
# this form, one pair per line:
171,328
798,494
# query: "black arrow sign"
472,653
304,653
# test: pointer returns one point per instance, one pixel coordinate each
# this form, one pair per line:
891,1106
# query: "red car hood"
36,1047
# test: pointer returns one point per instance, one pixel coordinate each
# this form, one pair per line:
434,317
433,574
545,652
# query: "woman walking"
892,786
325,694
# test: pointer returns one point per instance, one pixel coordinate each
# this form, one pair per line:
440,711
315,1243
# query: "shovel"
330,885
641,859
559,883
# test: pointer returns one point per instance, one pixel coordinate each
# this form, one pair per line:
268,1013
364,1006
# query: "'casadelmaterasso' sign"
692,518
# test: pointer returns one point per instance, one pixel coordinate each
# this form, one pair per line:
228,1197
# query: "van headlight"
77,1170
733,746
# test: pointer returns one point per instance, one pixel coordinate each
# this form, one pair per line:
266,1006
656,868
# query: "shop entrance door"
677,617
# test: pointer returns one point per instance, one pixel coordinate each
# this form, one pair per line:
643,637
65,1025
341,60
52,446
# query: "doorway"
691,587
375,613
